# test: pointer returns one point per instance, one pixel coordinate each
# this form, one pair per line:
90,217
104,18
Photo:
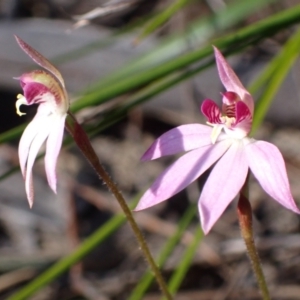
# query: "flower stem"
82,141
244,211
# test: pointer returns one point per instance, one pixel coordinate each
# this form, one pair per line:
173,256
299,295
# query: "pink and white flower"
226,144
47,89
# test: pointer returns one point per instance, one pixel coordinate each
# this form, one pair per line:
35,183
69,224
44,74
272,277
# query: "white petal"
33,151
54,142
29,134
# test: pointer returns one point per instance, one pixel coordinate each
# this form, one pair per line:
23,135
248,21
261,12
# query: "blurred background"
99,46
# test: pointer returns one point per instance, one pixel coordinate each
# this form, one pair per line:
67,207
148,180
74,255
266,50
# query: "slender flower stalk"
48,90
82,141
224,143
244,211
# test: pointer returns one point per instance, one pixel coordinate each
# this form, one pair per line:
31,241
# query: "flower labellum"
226,144
46,88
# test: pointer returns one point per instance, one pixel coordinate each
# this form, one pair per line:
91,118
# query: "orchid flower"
47,89
225,143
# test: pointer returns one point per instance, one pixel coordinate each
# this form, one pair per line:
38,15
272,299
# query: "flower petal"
36,144
54,142
27,137
242,113
33,91
267,165
211,111
29,190
243,122
41,86
181,173
182,138
223,184
40,59
29,134
231,81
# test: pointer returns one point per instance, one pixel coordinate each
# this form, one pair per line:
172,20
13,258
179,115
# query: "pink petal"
242,112
33,91
181,173
243,117
41,86
182,138
54,142
223,185
231,81
230,98
267,165
29,134
211,111
36,144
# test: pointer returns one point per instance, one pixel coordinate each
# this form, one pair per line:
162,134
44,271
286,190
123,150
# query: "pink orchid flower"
227,145
47,89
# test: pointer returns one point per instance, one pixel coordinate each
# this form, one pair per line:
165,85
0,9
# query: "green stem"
82,141
245,219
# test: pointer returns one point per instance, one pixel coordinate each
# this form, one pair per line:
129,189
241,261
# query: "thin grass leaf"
245,36
185,263
252,33
65,263
12,134
199,31
160,18
262,79
98,45
276,71
193,37
144,283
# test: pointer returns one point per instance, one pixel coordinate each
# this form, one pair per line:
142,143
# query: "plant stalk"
83,142
244,211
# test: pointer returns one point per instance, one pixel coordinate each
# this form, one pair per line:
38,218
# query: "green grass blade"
12,134
147,279
197,34
276,72
185,263
160,18
244,36
65,263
